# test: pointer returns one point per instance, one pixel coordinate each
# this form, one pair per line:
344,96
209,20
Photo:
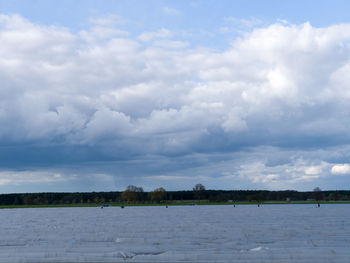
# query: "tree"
198,191
317,194
133,193
158,194
128,195
222,197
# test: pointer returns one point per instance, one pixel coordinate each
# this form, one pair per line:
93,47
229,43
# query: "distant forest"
135,194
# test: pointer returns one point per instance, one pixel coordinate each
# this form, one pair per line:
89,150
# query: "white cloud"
108,20
244,22
170,44
277,74
278,176
161,33
278,85
35,177
341,169
313,170
106,124
98,32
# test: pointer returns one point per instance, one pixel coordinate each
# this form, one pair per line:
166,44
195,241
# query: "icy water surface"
271,233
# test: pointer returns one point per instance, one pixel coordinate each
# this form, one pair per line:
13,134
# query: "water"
271,233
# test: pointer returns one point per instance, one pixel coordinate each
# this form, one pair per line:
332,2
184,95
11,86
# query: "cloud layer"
100,95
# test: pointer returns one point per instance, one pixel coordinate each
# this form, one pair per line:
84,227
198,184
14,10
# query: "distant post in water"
318,195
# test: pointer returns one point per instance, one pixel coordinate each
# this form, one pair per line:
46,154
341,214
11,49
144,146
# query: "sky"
239,94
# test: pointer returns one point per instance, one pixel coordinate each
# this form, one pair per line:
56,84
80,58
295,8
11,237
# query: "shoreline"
177,204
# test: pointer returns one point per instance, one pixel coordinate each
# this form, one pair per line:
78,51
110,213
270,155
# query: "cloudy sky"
97,95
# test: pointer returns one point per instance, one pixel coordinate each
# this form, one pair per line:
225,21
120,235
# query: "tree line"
136,194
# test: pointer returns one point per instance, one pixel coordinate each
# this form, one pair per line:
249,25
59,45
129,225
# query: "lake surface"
271,233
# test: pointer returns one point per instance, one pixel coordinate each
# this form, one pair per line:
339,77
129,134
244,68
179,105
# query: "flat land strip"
173,203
